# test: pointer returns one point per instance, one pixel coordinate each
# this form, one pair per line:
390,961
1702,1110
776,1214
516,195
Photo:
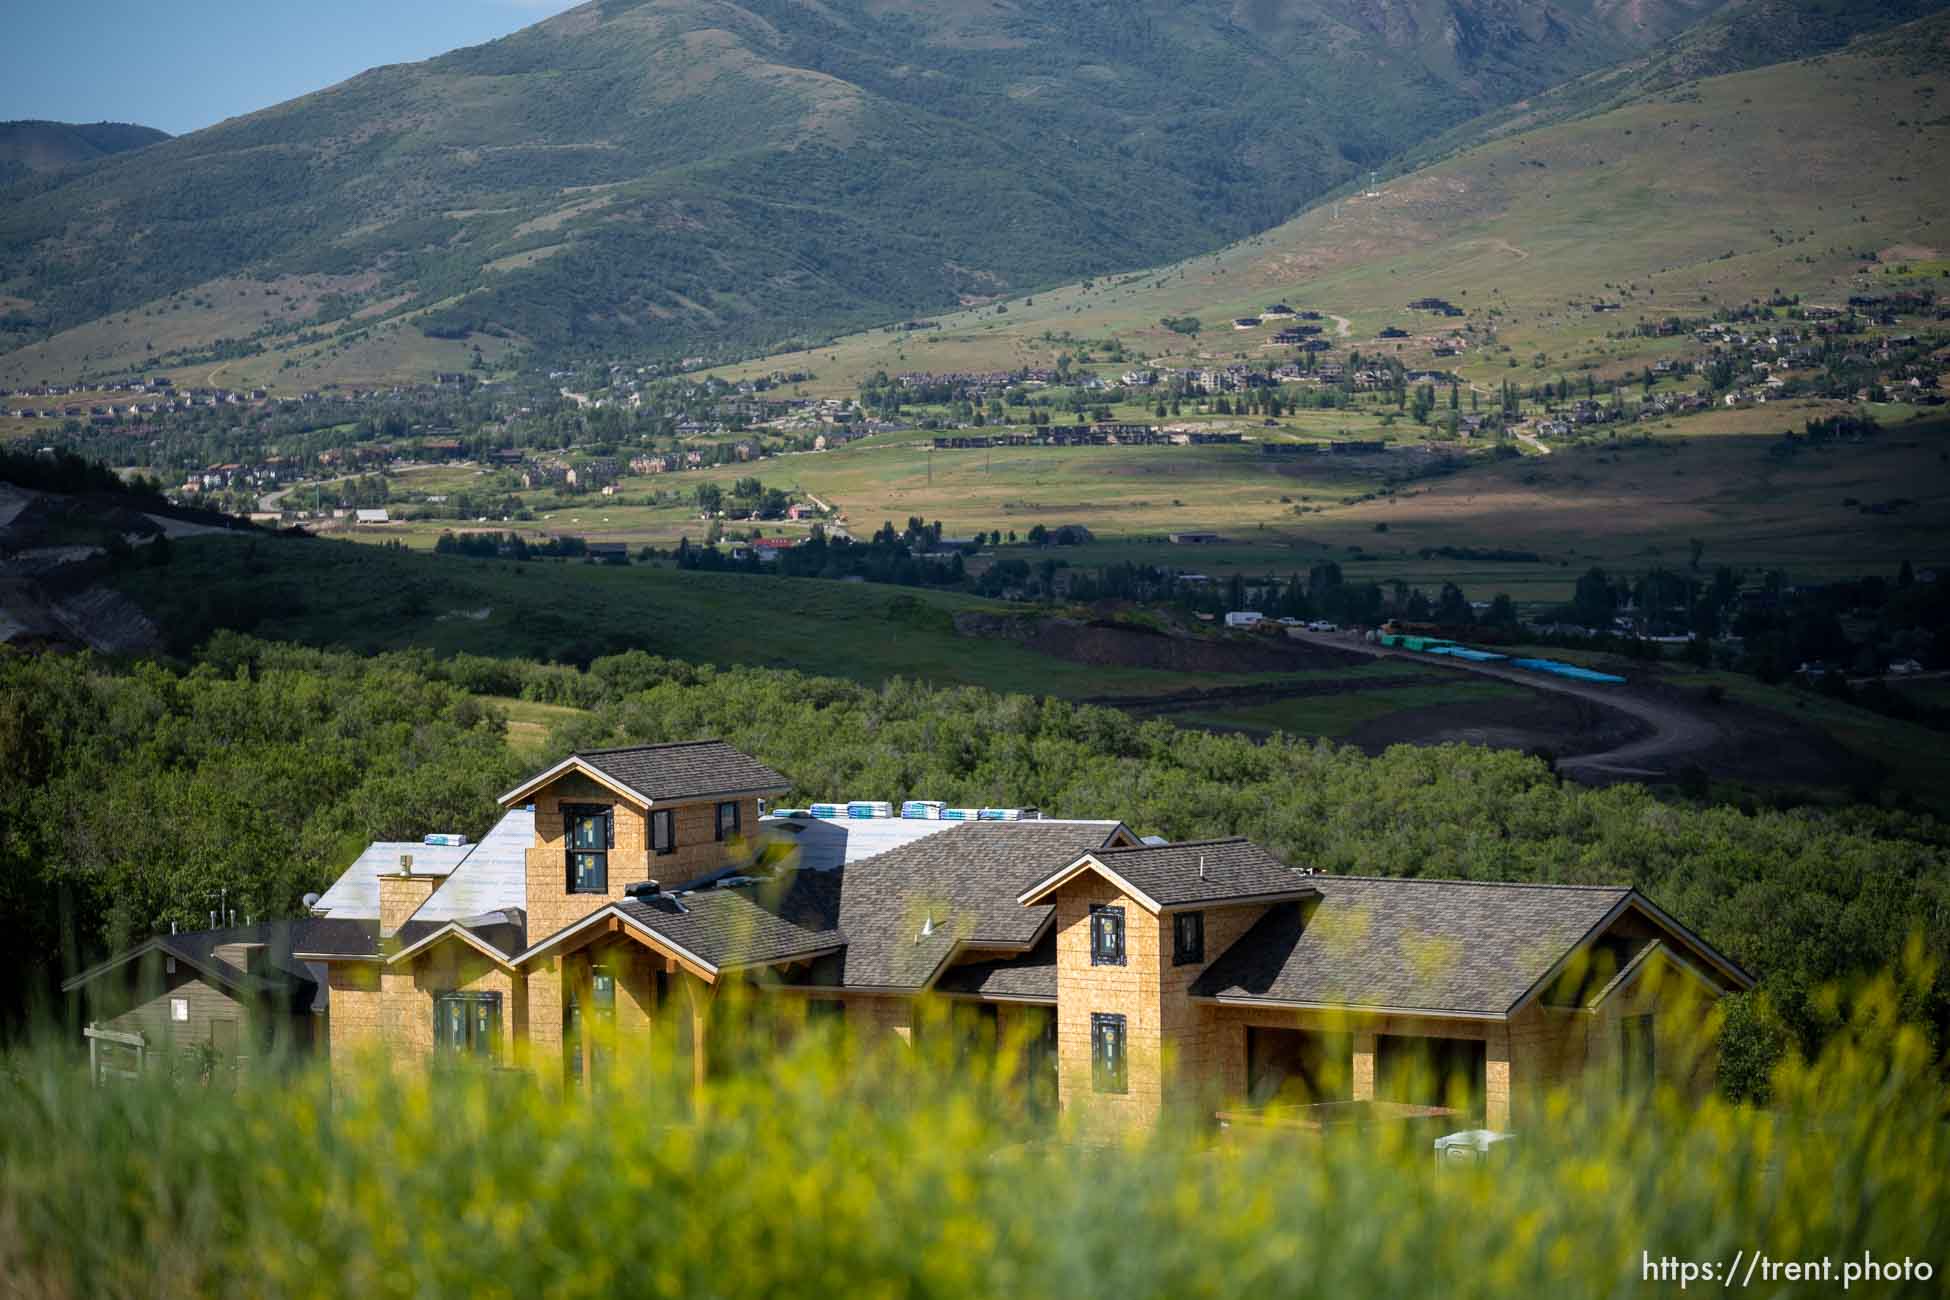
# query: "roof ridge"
1180,844
637,749
1487,884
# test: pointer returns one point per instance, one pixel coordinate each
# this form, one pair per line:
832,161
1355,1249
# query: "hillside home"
630,888
212,1003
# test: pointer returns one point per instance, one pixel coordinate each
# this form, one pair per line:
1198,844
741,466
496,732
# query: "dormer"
610,818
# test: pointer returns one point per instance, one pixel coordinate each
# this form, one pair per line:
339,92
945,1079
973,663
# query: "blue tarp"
1565,670
1464,652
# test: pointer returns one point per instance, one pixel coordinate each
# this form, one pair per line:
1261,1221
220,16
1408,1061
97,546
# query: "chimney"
251,958
401,895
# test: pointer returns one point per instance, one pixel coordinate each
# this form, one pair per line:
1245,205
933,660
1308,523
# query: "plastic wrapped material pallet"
1000,814
865,809
928,810
960,814
829,811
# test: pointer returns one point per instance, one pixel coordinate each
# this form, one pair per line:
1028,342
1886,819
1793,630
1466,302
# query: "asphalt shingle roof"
1031,975
1236,868
787,916
689,769
965,882
1433,945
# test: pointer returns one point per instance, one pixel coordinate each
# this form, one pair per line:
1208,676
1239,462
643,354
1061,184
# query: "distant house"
371,517
209,1003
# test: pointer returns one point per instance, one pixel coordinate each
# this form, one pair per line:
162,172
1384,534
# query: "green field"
1628,505
327,593
529,723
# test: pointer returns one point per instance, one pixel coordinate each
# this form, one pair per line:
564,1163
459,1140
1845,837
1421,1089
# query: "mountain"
697,174
1817,177
28,147
1743,35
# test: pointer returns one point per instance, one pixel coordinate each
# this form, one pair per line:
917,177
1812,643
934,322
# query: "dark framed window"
1106,935
825,1011
727,819
591,835
663,830
467,1024
602,1019
1187,938
1635,1053
1109,1071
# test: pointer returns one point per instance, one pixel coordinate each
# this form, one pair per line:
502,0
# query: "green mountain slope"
29,147
689,173
1790,178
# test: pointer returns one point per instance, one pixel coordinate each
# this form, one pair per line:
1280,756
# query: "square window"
1106,936
1108,1068
663,831
591,835
179,1010
1187,938
728,819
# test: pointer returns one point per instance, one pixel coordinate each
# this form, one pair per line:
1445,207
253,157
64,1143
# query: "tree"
1593,602
710,498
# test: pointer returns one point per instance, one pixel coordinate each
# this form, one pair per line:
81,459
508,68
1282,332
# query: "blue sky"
184,64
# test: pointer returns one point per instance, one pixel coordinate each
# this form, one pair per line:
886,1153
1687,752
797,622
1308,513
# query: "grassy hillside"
690,174
329,593
1715,191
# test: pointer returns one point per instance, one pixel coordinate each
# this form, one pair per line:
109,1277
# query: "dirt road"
1678,733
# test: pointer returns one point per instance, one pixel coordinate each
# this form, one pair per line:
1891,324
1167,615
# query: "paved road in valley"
1677,731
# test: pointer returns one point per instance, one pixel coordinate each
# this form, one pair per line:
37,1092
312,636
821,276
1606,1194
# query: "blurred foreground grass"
832,1170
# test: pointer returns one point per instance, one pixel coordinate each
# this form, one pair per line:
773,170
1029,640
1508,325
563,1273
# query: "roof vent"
644,889
1201,866
406,864
927,927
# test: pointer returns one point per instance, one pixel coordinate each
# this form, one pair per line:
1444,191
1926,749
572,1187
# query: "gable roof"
1442,947
690,769
493,875
1192,873
497,935
793,914
356,892
1030,977
284,971
823,844
906,911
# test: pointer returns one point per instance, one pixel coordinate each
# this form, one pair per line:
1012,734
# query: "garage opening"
1297,1067
1431,1071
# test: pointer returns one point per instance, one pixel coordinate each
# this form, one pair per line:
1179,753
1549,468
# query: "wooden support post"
1362,1078
700,995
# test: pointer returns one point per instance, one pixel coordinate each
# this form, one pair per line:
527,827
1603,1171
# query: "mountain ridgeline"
665,174
30,147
